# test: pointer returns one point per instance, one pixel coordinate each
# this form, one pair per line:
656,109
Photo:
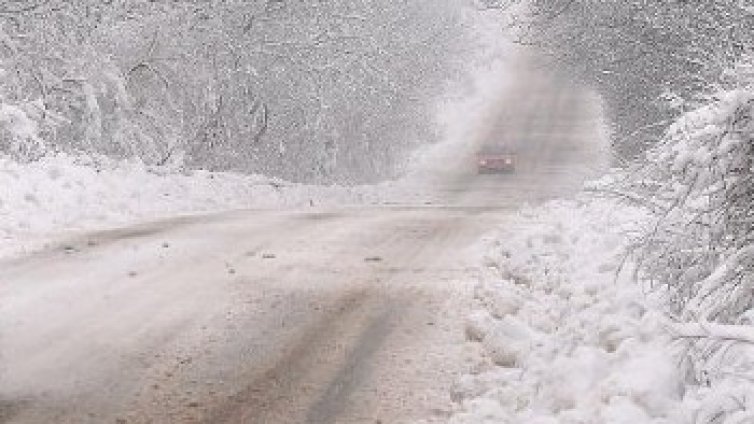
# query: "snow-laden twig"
722,274
714,331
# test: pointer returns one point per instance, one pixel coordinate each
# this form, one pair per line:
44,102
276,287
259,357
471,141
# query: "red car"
496,159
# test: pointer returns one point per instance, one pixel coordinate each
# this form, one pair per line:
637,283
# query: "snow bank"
567,337
64,193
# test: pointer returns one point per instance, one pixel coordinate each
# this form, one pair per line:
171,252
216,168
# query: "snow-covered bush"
698,183
19,133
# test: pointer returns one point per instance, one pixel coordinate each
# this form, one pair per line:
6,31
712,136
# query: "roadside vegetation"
308,91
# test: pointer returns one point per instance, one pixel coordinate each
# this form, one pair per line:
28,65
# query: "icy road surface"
349,315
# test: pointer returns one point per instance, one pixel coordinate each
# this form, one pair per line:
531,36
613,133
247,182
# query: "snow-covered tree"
699,181
305,90
697,251
637,53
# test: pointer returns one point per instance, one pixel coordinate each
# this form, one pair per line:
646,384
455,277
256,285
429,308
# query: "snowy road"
349,315
248,317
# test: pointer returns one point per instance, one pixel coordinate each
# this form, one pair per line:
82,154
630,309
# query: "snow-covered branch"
714,331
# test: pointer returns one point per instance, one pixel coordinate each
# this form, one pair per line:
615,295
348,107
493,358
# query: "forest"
335,91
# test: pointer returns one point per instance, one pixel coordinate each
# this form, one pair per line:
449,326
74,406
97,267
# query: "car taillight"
482,162
508,161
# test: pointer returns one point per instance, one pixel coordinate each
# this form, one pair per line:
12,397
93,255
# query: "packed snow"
565,334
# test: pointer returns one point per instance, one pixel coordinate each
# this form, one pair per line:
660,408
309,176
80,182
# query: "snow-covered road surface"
246,317
350,315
